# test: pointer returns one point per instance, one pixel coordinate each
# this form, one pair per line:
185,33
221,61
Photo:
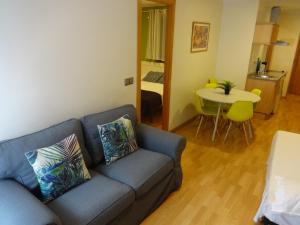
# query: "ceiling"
286,5
146,3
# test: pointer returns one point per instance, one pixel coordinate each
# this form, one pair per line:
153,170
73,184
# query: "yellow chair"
211,85
240,112
256,91
204,110
212,80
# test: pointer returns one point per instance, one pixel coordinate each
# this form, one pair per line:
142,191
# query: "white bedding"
146,67
150,86
281,198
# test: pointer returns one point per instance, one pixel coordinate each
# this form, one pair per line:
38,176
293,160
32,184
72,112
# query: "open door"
294,85
168,7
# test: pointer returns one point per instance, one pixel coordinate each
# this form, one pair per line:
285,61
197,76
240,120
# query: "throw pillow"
153,76
58,167
118,139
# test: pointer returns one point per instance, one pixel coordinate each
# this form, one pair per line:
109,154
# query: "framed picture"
200,35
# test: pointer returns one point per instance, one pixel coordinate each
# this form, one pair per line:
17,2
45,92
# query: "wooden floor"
223,183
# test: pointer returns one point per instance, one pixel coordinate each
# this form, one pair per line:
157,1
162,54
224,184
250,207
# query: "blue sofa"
122,193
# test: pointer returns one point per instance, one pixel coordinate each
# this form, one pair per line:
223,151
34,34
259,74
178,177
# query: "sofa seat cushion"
96,201
141,170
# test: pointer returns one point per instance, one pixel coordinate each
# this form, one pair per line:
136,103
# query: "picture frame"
200,36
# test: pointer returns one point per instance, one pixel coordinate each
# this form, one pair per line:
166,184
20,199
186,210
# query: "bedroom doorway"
154,61
294,84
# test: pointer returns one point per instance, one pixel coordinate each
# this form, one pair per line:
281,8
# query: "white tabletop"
217,95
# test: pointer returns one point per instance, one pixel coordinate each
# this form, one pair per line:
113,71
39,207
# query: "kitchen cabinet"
271,87
265,34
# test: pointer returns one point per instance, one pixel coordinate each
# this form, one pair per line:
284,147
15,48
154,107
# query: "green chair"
204,110
240,112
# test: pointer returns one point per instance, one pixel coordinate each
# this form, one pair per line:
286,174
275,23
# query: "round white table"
217,95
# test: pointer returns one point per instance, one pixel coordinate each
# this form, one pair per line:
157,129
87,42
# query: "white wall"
237,31
191,70
258,50
283,56
62,59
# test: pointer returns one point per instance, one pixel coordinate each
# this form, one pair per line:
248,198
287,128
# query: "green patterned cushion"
118,139
58,167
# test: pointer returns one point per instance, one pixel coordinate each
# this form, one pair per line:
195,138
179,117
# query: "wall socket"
128,81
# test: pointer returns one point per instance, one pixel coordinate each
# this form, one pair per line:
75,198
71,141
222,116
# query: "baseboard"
183,124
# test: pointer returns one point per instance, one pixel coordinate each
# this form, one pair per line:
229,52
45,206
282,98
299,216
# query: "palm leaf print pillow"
59,167
118,139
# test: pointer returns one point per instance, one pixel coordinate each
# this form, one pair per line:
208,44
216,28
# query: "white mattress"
155,87
281,198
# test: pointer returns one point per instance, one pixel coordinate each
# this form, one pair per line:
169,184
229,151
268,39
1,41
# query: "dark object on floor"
151,104
268,222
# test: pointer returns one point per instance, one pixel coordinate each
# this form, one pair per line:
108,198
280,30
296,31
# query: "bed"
152,88
152,84
281,198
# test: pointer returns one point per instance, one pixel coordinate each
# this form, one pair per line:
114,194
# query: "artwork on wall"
200,35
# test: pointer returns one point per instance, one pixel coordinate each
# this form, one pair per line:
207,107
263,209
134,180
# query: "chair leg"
224,123
245,132
198,128
215,125
205,121
227,131
250,128
196,119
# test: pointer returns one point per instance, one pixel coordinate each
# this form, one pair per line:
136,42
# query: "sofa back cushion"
91,133
13,163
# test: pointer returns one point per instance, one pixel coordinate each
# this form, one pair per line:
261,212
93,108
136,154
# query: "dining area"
227,107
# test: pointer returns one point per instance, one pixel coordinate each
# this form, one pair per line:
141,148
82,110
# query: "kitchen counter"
270,84
270,75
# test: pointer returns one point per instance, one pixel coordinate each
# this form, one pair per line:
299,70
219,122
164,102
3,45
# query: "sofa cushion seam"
111,205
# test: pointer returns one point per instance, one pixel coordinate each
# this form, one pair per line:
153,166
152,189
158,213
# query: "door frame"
294,67
170,4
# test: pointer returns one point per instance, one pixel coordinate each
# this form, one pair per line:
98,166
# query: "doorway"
294,85
154,61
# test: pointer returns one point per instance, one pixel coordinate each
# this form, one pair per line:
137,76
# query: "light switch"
128,81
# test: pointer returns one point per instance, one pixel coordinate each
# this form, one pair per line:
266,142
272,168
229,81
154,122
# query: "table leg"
216,124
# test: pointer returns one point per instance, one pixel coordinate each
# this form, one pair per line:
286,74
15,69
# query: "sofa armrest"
19,207
161,141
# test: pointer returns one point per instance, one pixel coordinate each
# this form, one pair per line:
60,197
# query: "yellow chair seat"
240,112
